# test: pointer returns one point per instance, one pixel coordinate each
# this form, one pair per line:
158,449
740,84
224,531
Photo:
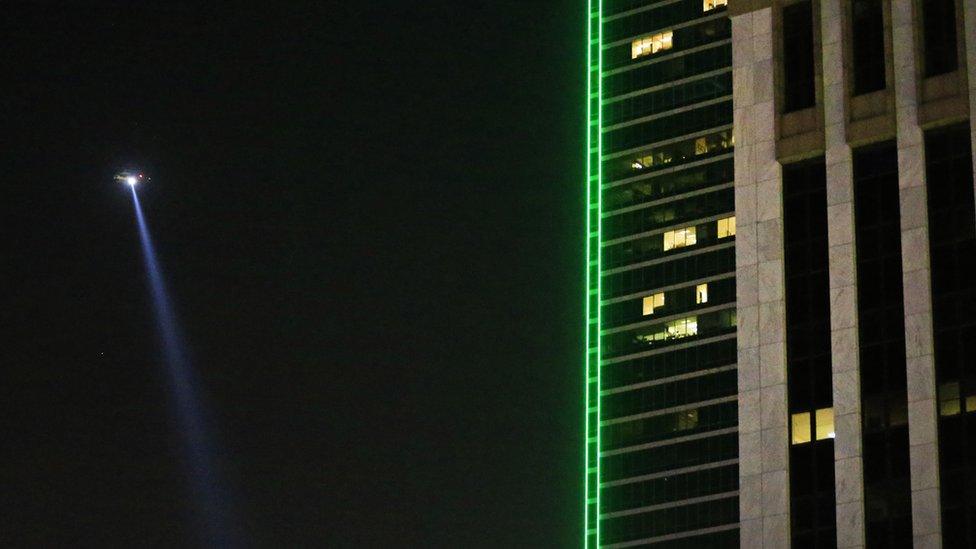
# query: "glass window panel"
652,302
701,293
651,44
726,227
801,428
825,423
949,399
971,403
668,240
709,5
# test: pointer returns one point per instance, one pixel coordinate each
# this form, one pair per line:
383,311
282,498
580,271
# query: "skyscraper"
661,348
781,340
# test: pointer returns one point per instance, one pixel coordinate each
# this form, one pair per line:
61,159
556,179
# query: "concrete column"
763,444
922,418
848,465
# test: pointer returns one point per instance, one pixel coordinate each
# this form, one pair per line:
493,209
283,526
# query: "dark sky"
370,218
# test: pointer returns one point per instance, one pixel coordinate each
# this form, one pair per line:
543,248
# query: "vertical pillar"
848,464
922,419
763,444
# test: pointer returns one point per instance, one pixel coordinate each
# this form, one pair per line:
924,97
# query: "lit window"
687,420
683,328
679,238
676,329
701,293
825,423
651,44
712,4
949,399
652,302
726,227
701,146
801,428
651,159
971,403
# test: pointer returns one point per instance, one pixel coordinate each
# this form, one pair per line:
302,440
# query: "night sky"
370,216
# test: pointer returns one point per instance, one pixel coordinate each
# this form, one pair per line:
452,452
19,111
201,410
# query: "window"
679,238
684,150
825,423
801,428
652,302
712,4
726,227
676,329
701,293
687,420
868,46
798,75
651,44
949,399
683,328
939,36
653,159
701,146
803,431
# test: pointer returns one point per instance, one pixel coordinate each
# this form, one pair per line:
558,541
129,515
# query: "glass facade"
868,48
808,361
952,244
661,411
939,45
799,78
881,327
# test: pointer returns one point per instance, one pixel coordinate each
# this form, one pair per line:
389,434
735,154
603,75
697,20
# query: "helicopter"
130,178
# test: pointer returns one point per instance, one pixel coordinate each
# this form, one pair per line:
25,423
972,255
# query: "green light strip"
594,236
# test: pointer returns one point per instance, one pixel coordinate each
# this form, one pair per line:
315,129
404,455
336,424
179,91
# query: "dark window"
952,241
939,33
868,46
881,328
808,370
798,74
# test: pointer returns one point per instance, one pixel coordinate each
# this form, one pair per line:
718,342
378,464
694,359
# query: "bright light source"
131,180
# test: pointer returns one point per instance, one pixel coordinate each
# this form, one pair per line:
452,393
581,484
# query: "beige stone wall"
848,470
763,449
922,432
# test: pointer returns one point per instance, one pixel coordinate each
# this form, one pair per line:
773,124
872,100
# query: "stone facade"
926,527
763,434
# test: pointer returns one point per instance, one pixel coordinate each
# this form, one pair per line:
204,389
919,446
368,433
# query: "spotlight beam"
213,505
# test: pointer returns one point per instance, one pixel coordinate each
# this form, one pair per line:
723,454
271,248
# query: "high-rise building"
781,275
661,349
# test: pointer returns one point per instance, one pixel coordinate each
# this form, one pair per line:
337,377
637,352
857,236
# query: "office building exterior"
781,274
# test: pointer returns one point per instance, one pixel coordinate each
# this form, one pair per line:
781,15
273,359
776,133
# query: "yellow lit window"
679,238
651,44
825,423
683,328
712,4
676,329
801,428
687,420
652,302
949,399
652,159
701,293
726,227
701,146
971,403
